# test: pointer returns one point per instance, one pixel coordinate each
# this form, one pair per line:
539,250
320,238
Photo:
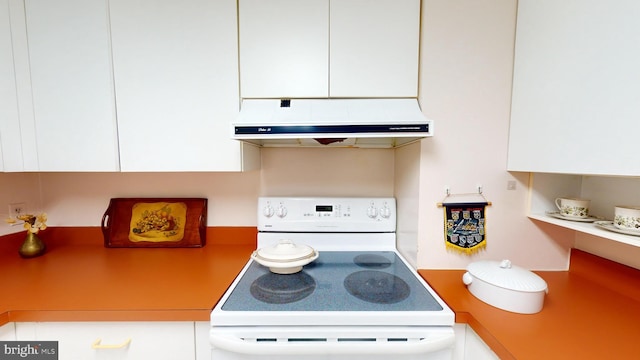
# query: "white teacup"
627,217
573,207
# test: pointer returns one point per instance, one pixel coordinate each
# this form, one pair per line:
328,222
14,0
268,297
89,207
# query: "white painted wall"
408,202
14,188
327,172
80,199
465,86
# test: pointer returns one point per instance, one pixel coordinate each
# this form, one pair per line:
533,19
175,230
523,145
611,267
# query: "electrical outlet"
17,209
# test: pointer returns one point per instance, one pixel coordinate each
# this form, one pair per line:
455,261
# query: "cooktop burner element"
377,287
282,289
372,261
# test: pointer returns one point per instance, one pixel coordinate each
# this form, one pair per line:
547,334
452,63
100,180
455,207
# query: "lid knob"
505,264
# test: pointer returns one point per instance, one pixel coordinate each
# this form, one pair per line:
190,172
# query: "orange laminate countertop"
78,279
591,311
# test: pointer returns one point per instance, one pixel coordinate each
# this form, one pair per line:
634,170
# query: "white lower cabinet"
174,340
476,349
203,344
114,340
8,332
469,346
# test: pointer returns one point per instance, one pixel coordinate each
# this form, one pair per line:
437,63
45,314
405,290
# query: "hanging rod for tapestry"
464,198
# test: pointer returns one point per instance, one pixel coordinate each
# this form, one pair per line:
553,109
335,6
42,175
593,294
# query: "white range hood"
370,123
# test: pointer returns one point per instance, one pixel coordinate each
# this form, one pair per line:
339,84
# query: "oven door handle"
237,345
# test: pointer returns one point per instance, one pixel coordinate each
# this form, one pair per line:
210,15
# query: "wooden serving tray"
155,222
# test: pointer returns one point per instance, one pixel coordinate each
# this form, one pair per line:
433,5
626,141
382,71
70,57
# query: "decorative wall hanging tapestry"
465,225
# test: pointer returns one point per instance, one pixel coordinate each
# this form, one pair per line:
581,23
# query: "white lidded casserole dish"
285,257
506,286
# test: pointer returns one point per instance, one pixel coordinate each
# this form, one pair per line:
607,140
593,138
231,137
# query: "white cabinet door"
9,120
374,48
469,346
203,344
176,80
576,87
329,48
17,131
73,102
475,348
283,48
8,332
117,340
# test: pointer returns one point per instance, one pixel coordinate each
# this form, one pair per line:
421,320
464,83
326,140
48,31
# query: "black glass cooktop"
336,281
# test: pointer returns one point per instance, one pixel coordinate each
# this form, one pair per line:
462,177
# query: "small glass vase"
32,246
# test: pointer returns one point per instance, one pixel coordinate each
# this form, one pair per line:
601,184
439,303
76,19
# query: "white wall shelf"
605,192
588,228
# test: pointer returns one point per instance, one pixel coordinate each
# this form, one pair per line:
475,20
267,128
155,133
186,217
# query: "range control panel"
325,214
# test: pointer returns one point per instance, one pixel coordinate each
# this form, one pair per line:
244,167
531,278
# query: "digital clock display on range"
324,208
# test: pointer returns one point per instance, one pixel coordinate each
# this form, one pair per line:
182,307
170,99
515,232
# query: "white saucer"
608,225
557,215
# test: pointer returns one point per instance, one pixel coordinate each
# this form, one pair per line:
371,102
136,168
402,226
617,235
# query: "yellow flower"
32,223
42,217
41,221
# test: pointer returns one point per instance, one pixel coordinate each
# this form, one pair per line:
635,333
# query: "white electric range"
358,299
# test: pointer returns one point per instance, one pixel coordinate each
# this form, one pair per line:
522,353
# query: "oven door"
335,343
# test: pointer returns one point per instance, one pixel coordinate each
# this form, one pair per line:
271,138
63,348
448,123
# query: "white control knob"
385,212
372,212
268,211
282,211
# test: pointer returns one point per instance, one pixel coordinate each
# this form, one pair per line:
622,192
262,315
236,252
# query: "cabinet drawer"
114,340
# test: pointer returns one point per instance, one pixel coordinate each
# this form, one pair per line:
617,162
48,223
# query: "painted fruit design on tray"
157,222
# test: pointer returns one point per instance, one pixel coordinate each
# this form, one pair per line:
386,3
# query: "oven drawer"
353,343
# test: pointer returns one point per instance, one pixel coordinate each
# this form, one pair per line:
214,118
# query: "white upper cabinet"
8,97
374,48
71,84
17,131
284,48
576,89
176,83
329,48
